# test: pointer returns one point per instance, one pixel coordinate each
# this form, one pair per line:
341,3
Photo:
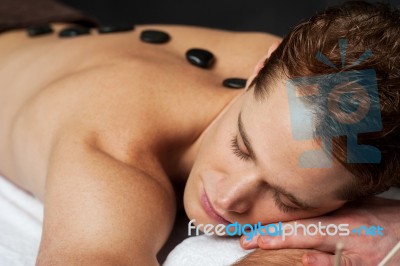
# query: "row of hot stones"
197,57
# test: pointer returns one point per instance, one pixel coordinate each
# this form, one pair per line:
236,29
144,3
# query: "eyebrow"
278,189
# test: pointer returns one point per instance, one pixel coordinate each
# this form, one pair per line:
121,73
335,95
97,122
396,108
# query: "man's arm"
99,211
358,249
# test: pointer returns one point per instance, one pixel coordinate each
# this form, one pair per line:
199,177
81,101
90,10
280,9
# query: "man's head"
247,168
364,26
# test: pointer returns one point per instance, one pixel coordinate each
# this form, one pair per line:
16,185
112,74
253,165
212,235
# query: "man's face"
247,168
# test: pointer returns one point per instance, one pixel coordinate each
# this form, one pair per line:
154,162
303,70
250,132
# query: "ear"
260,63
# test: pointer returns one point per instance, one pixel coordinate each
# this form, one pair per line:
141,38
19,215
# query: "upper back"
128,96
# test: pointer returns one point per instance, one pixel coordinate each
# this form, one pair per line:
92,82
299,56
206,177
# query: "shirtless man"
97,127
103,128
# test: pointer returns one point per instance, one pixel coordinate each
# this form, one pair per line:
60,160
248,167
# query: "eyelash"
282,206
236,150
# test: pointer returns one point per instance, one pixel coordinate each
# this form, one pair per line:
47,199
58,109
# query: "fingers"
316,259
313,259
248,243
295,235
295,241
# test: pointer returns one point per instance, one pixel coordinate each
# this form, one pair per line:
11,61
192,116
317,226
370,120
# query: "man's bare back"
111,99
47,81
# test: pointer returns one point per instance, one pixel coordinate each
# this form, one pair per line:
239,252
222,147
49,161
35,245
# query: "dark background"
276,17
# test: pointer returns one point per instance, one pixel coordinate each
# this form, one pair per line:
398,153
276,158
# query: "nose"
238,194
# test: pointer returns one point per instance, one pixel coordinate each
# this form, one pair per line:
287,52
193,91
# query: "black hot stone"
73,32
234,83
38,30
199,57
154,36
114,28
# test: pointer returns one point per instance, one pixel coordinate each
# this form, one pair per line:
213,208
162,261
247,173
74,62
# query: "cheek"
266,211
215,148
309,214
275,216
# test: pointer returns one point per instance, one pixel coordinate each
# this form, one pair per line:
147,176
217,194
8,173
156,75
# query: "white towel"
20,225
206,250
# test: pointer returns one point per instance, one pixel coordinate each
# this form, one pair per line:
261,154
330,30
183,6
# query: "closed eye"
283,207
236,149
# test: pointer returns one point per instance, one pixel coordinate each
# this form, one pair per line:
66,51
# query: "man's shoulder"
114,108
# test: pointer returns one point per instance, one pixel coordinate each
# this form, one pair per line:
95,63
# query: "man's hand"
358,249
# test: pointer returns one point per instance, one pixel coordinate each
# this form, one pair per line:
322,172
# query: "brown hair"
364,26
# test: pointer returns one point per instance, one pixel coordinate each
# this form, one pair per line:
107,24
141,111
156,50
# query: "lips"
205,203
